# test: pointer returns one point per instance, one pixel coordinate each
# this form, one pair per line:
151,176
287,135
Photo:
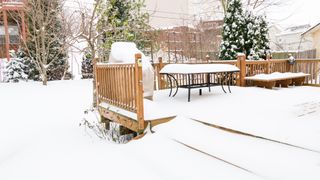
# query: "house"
168,13
314,34
273,31
291,40
9,29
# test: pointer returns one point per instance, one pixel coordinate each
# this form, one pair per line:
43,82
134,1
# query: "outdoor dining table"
190,70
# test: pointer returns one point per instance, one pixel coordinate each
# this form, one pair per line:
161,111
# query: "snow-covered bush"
15,70
87,66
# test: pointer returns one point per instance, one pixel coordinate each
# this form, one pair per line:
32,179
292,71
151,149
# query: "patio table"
225,70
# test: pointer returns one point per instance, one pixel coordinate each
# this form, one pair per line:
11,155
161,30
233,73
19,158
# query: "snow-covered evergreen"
233,31
263,42
87,67
15,70
243,32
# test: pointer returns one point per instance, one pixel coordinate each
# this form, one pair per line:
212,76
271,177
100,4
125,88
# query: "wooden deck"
119,87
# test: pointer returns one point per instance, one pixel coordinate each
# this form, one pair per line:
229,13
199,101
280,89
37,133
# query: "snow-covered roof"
294,30
312,29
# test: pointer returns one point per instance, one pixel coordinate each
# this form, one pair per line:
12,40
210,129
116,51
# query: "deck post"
6,32
241,63
161,65
139,91
267,70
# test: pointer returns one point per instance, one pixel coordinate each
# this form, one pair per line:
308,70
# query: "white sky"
295,12
292,12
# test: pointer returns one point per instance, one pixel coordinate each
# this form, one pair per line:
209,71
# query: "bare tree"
47,34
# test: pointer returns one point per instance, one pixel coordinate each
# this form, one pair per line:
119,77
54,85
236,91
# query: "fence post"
241,63
267,71
139,91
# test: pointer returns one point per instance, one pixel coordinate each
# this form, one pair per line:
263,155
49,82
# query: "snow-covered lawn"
40,136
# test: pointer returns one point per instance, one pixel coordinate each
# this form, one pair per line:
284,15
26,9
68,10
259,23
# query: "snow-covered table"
278,79
190,70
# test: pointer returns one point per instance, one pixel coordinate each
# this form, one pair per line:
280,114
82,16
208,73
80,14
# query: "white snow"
40,137
124,52
277,76
197,68
152,111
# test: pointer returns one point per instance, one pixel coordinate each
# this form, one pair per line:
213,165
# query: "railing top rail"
100,64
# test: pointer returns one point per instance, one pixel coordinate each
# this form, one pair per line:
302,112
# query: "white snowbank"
197,68
40,137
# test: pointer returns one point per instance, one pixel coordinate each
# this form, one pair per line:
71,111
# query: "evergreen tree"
123,20
15,70
87,66
263,42
245,33
233,31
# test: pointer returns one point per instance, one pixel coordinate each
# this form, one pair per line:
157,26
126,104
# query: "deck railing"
120,85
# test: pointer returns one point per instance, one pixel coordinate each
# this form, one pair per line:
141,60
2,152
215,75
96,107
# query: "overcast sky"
296,12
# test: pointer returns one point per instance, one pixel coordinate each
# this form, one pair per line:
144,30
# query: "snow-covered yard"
40,136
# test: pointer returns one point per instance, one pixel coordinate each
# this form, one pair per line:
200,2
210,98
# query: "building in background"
291,40
174,13
273,31
10,31
168,13
314,34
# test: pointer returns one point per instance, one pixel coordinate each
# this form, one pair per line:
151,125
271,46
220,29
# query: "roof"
312,29
295,30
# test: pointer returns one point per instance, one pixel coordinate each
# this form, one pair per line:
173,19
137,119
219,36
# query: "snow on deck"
277,76
40,137
197,68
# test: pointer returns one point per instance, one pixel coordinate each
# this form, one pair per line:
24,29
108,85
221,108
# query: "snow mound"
124,52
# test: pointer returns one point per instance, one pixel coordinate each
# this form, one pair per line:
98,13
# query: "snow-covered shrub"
15,70
87,66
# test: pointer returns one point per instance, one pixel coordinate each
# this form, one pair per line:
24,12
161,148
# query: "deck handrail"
120,85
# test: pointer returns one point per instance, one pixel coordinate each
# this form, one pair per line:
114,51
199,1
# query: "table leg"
222,80
189,87
177,85
229,81
208,81
170,81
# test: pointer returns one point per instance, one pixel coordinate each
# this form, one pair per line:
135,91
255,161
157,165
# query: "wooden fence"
308,54
251,68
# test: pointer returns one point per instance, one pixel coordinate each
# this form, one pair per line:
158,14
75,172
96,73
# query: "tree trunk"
44,77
